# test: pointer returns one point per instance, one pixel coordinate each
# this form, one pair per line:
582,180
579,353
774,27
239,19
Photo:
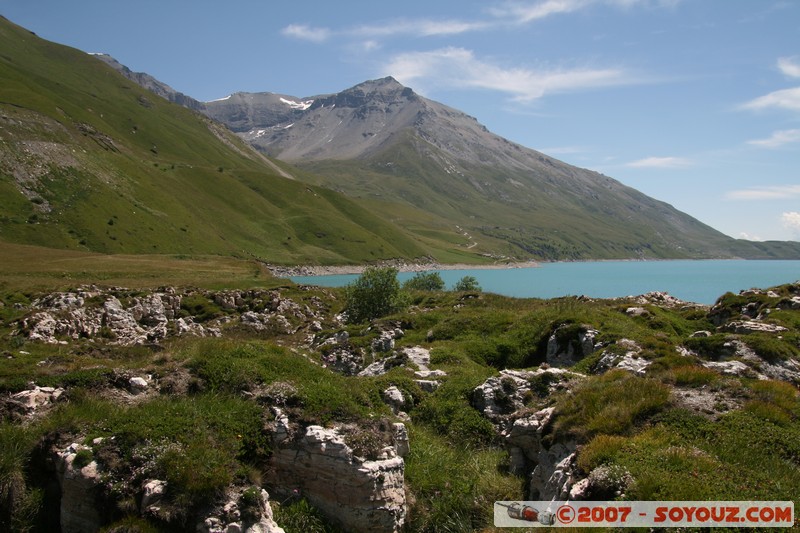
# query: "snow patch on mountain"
302,106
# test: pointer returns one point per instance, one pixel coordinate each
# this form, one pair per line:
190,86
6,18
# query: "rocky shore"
402,266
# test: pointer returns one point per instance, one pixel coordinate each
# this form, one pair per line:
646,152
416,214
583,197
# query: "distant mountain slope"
89,160
382,142
150,83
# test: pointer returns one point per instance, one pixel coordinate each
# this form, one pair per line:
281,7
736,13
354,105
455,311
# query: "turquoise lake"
693,281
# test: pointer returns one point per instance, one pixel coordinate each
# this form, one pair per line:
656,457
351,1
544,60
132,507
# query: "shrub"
610,404
694,376
467,283
200,307
374,294
425,281
602,449
300,517
83,458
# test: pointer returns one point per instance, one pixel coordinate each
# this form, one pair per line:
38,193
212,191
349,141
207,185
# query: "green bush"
609,404
772,348
425,281
466,284
374,294
200,307
300,517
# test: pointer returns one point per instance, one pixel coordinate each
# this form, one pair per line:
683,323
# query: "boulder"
153,491
394,398
28,402
79,489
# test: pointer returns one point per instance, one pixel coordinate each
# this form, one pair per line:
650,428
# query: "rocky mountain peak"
373,93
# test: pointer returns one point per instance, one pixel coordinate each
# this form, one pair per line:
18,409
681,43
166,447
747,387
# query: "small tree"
374,294
425,281
467,283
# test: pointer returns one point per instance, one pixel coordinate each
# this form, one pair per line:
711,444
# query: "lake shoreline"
334,270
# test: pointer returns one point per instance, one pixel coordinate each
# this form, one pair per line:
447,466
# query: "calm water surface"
694,281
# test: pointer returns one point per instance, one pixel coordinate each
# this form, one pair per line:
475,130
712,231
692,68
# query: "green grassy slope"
91,161
521,215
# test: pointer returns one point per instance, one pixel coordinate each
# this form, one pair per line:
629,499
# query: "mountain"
152,84
91,161
382,142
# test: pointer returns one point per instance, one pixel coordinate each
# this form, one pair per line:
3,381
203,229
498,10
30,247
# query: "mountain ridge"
90,161
379,139
455,191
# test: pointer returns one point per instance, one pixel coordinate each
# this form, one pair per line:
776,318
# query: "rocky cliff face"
357,493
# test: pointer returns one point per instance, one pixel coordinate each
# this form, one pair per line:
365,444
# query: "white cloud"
778,139
514,12
791,221
783,99
524,12
789,67
306,33
748,237
775,192
458,67
420,28
660,162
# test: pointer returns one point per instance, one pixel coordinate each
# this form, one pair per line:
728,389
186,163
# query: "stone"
138,384
153,491
354,493
79,486
701,334
394,398
255,517
503,394
28,402
427,385
744,327
730,368
419,356
636,311
402,446
563,350
791,303
427,374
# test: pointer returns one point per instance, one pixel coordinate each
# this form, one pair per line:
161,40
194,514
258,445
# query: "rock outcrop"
30,402
550,467
569,344
79,479
625,355
123,317
245,511
502,395
356,493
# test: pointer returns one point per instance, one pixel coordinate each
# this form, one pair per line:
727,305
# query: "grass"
229,366
455,487
28,269
213,436
684,456
613,404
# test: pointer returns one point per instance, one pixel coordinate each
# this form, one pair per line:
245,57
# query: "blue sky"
693,102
